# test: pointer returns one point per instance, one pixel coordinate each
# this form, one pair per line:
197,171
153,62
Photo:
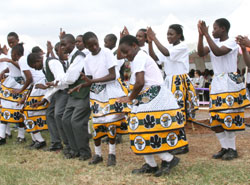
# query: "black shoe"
111,160
39,145
55,147
30,146
84,157
66,150
2,141
167,166
20,140
220,154
8,136
96,159
178,151
146,168
230,154
71,155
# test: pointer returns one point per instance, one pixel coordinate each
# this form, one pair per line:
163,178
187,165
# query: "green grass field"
19,165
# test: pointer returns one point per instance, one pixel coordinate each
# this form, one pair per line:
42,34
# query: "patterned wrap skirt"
184,92
11,111
108,115
156,122
228,98
35,118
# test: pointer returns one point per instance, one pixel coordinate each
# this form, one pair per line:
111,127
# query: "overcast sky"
39,21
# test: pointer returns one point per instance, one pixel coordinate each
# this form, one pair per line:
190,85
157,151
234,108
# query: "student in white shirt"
35,117
156,120
54,70
228,93
175,58
77,110
11,110
108,115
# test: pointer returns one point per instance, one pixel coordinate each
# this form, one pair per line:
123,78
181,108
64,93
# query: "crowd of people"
78,84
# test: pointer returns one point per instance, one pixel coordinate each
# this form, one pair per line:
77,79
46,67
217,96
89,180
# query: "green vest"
84,92
48,74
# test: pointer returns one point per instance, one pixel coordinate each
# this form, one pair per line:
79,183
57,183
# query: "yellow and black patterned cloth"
11,110
108,115
35,117
228,99
184,92
156,123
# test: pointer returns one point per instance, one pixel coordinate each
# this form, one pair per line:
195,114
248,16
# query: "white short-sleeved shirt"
178,60
144,63
98,65
226,63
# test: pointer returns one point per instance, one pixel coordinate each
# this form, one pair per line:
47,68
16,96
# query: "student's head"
35,60
90,41
67,43
220,27
141,36
129,47
110,41
12,39
17,52
197,73
79,43
38,50
175,34
61,55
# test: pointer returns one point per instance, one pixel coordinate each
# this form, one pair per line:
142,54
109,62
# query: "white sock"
230,139
21,132
8,131
89,130
166,156
98,150
150,160
33,137
38,136
2,130
111,148
222,138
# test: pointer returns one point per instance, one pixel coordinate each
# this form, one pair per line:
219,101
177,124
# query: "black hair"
198,72
80,36
69,37
57,46
222,22
178,29
13,34
145,32
32,58
18,49
36,49
112,37
87,36
129,40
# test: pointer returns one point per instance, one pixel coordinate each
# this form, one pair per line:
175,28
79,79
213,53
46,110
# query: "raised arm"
217,51
202,51
10,61
151,36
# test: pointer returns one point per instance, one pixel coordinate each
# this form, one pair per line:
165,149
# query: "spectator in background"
198,79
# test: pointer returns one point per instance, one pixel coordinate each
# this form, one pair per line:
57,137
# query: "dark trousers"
75,121
54,116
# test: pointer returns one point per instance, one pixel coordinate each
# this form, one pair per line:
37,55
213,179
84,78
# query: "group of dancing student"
83,79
